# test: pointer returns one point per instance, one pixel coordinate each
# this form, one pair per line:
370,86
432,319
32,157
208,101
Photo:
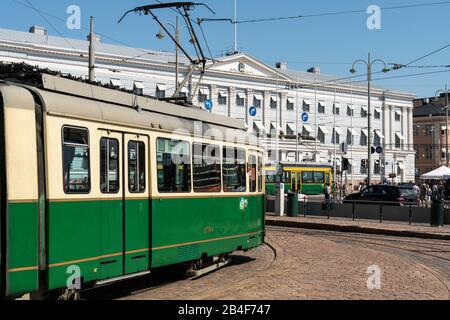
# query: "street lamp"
445,107
369,63
160,35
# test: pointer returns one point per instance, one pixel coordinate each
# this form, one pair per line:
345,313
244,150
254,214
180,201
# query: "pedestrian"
423,194
327,195
417,190
429,194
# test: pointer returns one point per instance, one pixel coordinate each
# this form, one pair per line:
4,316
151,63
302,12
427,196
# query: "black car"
389,195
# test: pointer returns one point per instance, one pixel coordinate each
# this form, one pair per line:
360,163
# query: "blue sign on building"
252,111
305,117
379,149
208,105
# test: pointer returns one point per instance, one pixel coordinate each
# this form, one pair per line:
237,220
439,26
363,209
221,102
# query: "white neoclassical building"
337,109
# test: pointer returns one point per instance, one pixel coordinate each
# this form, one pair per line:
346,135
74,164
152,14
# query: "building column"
213,94
282,106
265,107
249,103
231,100
410,126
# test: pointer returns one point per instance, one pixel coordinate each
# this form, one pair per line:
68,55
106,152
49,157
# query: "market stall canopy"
437,174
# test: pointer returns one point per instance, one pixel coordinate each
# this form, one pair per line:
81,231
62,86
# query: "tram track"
278,254
421,253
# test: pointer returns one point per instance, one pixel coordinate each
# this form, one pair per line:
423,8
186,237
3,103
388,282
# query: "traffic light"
364,163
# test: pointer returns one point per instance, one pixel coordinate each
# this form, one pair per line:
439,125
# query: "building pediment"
244,64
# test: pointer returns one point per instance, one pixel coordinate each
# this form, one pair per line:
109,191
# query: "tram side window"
136,166
234,170
252,172
307,177
319,177
260,174
109,165
76,169
206,169
287,177
173,165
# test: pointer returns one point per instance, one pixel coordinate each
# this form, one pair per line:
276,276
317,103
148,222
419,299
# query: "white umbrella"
437,174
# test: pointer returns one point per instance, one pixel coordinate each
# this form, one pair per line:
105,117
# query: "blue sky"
330,42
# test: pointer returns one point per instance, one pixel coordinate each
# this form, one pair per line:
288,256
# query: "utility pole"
235,26
177,38
446,106
334,135
369,63
91,51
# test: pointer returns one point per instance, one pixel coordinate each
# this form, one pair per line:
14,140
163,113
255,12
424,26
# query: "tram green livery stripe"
88,234
22,248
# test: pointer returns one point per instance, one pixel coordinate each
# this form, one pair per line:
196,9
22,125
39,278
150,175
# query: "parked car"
303,198
388,195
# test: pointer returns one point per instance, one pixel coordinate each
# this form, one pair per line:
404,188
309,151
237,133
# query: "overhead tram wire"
144,52
314,15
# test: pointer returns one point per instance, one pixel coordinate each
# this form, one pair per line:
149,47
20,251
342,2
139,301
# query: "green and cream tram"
106,185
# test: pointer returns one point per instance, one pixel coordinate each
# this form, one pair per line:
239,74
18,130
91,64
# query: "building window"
234,177
257,101
364,112
350,110
240,99
138,88
206,168
109,165
273,102
160,91
173,163
377,114
363,168
398,115
321,107
337,135
136,166
336,108
290,128
223,97
290,104
377,167
398,142
76,168
350,136
306,104
363,139
428,152
321,136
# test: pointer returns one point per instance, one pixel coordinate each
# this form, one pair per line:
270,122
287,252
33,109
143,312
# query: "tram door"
124,207
136,220
295,181
111,217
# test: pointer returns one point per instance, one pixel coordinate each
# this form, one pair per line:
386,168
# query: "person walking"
429,193
327,196
423,194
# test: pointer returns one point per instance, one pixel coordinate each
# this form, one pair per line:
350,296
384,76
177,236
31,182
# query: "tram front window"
76,160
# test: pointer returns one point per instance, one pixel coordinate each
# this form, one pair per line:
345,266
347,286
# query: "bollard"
353,211
437,213
381,212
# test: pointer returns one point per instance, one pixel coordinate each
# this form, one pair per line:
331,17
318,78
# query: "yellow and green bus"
309,178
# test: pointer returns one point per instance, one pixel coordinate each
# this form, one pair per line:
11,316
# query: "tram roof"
67,97
302,164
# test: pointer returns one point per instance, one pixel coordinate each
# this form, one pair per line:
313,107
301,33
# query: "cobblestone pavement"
309,264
